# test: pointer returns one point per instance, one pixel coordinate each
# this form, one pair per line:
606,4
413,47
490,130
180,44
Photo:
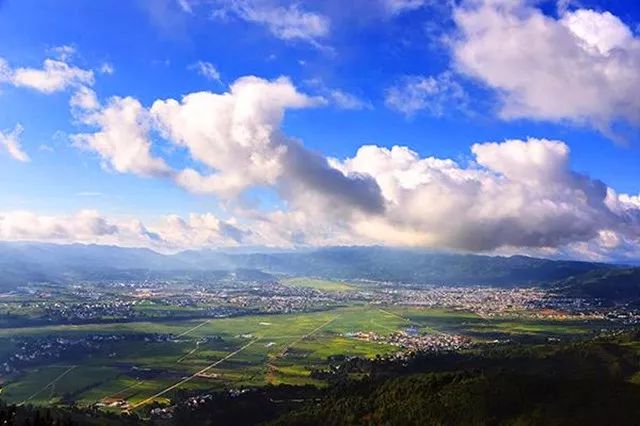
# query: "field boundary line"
383,326
193,329
396,315
271,367
412,322
309,334
51,383
191,352
183,381
121,391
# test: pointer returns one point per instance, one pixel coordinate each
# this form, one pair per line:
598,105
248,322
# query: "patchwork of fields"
235,352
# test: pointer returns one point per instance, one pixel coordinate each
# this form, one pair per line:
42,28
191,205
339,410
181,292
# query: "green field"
318,284
239,351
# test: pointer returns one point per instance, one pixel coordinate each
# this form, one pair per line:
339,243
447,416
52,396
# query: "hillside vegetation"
609,285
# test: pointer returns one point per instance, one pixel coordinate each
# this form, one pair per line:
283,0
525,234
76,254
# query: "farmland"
325,285
242,352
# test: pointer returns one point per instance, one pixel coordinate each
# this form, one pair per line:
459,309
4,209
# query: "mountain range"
24,262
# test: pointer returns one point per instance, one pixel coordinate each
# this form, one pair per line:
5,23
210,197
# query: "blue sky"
410,73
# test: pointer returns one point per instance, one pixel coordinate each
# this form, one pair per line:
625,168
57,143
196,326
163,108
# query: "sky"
485,126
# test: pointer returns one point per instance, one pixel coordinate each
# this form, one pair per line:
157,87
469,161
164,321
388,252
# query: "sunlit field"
239,352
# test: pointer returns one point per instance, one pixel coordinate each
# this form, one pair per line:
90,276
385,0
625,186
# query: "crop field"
325,285
482,328
239,351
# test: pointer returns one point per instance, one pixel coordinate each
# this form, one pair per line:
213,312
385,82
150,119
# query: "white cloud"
64,52
86,225
286,23
6,72
185,5
603,32
11,142
396,7
345,100
107,68
583,67
235,137
54,76
84,98
122,140
168,233
207,70
337,97
199,230
515,194
433,94
518,194
236,134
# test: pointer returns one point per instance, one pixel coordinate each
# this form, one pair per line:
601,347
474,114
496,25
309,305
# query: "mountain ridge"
24,262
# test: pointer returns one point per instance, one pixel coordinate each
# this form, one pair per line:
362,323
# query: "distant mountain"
610,285
24,262
417,266
37,262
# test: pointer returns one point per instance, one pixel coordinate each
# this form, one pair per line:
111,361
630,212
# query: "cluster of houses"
412,340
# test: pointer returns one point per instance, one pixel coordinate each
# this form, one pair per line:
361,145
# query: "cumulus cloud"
416,93
621,243
86,225
199,230
235,136
10,141
311,183
235,133
122,140
583,67
287,23
84,99
168,233
55,75
516,194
